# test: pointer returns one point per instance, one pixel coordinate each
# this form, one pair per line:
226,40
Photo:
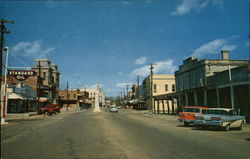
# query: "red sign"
21,75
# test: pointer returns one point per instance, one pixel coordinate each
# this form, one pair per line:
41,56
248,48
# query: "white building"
93,91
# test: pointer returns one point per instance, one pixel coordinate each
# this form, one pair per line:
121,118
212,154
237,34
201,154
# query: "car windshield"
191,110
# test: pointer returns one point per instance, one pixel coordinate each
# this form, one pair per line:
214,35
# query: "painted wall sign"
21,75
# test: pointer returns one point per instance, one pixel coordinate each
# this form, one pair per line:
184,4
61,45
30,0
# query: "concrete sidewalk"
21,116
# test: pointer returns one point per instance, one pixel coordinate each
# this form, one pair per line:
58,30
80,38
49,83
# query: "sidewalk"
21,116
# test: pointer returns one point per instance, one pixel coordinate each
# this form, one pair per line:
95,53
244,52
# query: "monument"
97,108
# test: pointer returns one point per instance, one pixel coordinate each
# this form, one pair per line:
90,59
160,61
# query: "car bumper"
185,120
207,123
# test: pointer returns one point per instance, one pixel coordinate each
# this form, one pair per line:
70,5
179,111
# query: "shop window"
155,88
173,88
166,87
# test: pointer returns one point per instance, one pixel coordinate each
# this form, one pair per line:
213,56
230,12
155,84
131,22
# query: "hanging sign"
21,75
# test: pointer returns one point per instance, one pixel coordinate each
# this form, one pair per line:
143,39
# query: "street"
129,134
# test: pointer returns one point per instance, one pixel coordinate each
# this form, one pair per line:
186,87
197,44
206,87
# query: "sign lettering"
21,75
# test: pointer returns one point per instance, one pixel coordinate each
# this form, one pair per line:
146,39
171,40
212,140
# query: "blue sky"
110,42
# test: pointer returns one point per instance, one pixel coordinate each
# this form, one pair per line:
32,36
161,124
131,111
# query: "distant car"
113,109
119,107
221,117
188,114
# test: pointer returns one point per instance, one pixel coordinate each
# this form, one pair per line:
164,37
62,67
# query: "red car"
49,109
188,114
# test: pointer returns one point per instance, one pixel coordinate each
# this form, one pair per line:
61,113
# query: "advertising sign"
21,75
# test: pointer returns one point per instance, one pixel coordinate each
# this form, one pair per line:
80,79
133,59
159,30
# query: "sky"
112,41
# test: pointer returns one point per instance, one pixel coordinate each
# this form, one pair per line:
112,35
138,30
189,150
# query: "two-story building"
72,99
161,84
50,77
213,83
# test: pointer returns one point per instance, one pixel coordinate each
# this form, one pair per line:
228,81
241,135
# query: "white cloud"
123,85
32,49
142,71
164,67
141,60
213,47
186,6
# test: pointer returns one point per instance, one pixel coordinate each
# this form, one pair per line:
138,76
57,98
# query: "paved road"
125,135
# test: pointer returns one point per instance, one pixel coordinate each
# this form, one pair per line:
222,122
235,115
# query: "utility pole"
127,91
5,97
38,84
151,88
67,90
138,92
3,31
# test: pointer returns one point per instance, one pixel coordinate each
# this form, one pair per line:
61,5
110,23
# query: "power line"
20,60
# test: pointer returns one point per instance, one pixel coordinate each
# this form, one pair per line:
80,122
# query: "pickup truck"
49,109
220,117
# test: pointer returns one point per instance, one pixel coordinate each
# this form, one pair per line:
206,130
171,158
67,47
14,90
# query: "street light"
5,98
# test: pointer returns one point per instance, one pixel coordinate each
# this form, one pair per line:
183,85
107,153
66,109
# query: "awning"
16,96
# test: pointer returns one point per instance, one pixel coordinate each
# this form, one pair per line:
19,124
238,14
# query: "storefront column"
205,97
195,98
168,106
172,105
162,102
158,106
153,100
232,96
218,97
186,98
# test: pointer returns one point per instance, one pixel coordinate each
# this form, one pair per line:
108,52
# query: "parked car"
188,114
113,109
221,117
50,109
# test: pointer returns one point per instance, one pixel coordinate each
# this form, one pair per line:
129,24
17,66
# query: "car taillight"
215,118
181,115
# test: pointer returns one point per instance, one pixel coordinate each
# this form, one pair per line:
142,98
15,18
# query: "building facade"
161,84
92,94
50,78
213,83
72,99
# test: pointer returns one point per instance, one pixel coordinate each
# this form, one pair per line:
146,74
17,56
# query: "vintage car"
220,117
50,109
113,109
188,114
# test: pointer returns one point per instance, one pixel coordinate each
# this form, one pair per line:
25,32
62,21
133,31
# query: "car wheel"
241,125
186,123
227,128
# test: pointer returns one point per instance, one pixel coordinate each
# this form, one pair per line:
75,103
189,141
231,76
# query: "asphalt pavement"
129,134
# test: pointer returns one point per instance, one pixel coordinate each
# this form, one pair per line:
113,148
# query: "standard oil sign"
21,74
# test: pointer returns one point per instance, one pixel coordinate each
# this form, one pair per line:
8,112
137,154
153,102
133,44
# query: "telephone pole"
39,80
151,88
3,31
138,91
67,87
127,91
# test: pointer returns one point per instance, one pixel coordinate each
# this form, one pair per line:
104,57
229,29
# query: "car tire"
241,125
227,127
186,123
